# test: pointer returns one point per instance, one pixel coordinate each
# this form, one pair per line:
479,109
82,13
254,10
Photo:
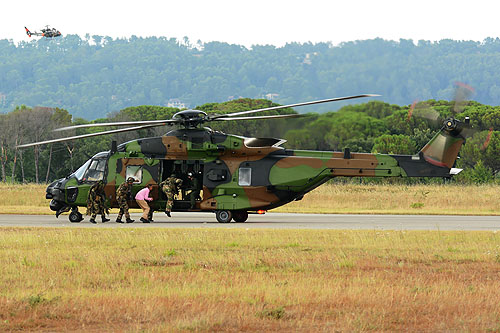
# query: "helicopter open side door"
181,169
143,170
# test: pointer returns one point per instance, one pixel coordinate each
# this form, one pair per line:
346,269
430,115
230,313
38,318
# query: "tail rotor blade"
488,139
412,108
424,111
463,92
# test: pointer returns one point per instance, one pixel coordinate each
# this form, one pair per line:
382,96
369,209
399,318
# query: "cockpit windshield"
92,171
81,170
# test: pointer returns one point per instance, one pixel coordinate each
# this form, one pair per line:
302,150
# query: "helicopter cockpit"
93,170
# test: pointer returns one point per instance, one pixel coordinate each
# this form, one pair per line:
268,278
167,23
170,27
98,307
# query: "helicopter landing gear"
240,216
223,216
75,216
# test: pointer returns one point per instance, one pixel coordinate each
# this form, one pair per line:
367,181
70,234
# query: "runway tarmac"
275,221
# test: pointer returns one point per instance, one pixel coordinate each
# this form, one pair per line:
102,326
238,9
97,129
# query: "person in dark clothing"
194,186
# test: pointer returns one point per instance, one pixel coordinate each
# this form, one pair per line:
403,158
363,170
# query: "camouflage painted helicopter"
47,32
239,175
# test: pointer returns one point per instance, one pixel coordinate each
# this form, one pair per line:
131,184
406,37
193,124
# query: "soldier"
170,187
194,186
122,195
96,202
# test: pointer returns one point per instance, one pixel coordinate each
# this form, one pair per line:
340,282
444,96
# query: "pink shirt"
143,195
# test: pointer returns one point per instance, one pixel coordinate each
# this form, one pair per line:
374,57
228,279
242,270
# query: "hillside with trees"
95,76
370,127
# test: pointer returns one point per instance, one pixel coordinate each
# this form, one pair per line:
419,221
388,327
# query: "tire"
223,216
240,216
75,217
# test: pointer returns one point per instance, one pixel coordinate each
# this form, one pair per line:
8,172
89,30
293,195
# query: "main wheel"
240,216
223,216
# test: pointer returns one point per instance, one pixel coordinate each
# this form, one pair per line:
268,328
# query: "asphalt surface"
274,221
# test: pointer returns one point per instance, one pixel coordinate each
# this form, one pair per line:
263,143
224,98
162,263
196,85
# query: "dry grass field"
77,279
329,198
400,199
155,280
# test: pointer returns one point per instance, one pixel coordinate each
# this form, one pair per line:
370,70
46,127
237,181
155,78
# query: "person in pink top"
141,197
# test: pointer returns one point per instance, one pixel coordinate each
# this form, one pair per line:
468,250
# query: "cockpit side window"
95,172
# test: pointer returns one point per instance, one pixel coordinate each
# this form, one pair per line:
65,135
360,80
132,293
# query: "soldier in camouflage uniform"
170,187
122,195
96,202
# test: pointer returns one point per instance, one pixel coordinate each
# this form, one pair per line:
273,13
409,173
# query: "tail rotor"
444,147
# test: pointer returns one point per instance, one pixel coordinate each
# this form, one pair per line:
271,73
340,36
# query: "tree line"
375,126
97,75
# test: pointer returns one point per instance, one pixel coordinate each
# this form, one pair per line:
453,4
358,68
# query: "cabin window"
245,177
95,172
134,171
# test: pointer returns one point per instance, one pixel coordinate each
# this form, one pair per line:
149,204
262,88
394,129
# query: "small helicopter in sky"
47,32
239,175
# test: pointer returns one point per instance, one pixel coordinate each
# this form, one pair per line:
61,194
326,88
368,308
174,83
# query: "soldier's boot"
104,219
129,220
92,219
150,217
168,213
119,219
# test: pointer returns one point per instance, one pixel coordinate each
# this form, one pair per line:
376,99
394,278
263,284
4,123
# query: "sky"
261,22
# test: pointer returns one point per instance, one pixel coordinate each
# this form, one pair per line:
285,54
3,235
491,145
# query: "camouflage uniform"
170,187
96,202
122,196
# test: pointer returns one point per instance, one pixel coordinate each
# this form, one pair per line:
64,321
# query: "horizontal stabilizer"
455,171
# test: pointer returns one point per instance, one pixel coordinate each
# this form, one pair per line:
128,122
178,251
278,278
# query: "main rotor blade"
292,105
86,136
120,123
263,117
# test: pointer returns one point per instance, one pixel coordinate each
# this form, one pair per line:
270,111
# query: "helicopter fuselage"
238,174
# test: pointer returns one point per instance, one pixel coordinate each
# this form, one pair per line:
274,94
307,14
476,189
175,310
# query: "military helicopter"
239,175
47,32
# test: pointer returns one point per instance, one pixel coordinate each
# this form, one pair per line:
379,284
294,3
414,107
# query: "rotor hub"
190,118
450,124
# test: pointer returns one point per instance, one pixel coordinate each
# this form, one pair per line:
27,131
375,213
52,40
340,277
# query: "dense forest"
95,76
370,127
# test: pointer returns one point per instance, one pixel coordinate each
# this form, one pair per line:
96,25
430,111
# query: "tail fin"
442,150
28,32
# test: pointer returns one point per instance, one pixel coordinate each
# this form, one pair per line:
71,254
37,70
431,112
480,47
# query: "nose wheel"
75,216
